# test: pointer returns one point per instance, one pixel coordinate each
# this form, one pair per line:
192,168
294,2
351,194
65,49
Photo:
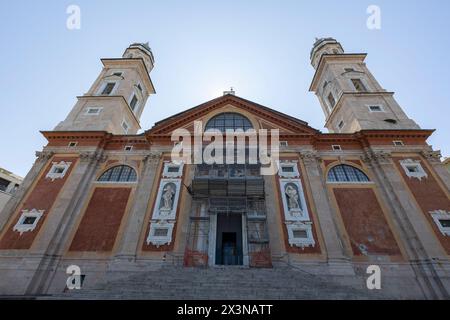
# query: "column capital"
378,157
432,156
310,156
43,156
152,157
92,156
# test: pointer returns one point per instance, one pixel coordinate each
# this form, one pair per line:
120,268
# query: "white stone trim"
160,240
162,214
124,122
308,241
439,215
54,173
300,214
21,227
288,164
169,165
420,172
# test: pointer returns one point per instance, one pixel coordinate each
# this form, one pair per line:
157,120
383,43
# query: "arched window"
229,120
346,173
119,174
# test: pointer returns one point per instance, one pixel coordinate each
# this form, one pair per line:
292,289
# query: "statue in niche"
167,198
292,197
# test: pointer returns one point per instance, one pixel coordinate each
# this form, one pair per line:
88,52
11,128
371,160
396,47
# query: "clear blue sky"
203,47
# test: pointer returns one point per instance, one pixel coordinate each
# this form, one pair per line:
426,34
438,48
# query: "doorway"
229,239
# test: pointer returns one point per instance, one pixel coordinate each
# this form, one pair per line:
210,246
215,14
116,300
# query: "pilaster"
129,242
325,214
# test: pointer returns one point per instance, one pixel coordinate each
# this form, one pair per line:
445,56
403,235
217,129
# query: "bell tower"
350,96
116,99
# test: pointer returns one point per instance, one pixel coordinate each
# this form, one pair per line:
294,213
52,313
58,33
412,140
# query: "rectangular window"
125,126
357,83
29,220
336,147
331,100
283,143
58,170
287,169
445,223
173,169
133,102
398,143
139,87
341,125
376,108
160,232
73,144
108,88
300,233
128,148
93,110
413,168
3,184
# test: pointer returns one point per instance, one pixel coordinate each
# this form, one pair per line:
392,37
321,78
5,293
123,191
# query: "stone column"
12,204
421,246
50,245
325,213
275,223
129,242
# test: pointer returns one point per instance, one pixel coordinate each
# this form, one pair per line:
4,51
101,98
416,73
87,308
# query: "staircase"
227,283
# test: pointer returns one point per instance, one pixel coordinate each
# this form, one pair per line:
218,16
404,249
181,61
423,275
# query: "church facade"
115,204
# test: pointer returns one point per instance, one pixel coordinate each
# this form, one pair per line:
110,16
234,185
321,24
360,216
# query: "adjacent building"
115,204
9,183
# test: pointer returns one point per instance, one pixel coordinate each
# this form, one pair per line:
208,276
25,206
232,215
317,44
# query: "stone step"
223,283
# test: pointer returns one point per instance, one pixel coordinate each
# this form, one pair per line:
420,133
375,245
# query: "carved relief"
300,234
160,233
165,210
153,157
378,157
293,200
173,170
43,156
432,156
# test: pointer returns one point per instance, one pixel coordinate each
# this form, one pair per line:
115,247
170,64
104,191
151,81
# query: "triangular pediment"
265,118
